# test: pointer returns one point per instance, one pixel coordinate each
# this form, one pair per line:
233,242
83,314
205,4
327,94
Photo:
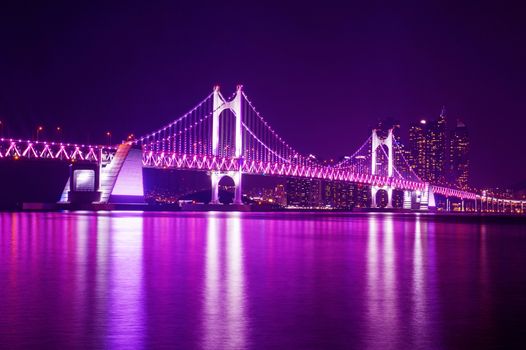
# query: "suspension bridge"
229,137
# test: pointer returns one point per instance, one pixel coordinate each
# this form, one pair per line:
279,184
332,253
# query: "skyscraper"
436,149
303,192
417,147
458,155
427,143
401,153
338,195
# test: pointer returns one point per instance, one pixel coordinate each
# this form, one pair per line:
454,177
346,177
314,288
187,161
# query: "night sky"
321,74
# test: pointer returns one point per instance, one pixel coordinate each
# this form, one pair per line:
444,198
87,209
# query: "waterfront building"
338,195
427,143
458,155
304,193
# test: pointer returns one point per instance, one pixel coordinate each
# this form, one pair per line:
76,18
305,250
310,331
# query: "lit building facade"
427,143
304,193
417,147
458,156
338,195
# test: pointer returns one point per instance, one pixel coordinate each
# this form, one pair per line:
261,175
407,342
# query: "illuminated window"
84,180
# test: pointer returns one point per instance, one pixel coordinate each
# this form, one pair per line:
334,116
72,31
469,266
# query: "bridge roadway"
110,164
229,137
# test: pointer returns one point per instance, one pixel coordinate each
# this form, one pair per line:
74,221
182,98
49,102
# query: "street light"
1,129
39,129
108,134
59,131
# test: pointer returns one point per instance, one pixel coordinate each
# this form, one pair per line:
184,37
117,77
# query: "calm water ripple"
260,281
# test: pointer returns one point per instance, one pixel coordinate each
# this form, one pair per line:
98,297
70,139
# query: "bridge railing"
28,149
214,163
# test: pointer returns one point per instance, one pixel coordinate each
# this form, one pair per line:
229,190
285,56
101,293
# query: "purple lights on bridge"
229,137
19,148
196,162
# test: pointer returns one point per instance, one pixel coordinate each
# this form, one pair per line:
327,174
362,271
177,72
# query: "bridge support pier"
374,191
216,176
84,183
407,200
238,192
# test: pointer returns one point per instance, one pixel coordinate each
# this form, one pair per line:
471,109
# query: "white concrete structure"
219,105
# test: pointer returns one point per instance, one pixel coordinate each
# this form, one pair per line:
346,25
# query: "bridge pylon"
376,142
234,105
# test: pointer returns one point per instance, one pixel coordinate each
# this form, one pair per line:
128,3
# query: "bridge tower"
220,104
378,141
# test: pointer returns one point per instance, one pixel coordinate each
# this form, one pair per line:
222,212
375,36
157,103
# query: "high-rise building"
303,192
458,155
417,147
427,143
436,149
401,153
338,195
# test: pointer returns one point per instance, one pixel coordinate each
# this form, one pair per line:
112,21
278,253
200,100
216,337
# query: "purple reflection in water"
125,284
224,321
255,280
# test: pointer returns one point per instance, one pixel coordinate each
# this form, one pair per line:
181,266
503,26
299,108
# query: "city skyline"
437,152
148,62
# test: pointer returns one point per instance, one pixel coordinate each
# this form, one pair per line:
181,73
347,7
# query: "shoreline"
246,209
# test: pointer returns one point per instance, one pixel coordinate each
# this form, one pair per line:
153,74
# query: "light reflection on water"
275,280
125,279
224,322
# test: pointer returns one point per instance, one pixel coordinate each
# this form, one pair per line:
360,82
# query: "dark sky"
320,73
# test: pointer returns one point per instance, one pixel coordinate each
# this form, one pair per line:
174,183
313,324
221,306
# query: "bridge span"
229,137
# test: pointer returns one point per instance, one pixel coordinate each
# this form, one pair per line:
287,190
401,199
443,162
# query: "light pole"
39,129
1,129
108,134
59,133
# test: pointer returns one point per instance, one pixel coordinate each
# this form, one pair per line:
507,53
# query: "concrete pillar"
389,197
390,162
219,104
215,177
374,191
238,192
407,200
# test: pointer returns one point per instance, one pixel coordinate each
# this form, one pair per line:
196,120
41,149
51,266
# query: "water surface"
260,281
